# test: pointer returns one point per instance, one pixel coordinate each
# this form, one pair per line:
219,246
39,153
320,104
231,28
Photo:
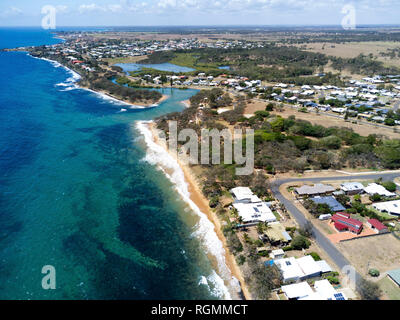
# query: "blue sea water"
77,194
169,67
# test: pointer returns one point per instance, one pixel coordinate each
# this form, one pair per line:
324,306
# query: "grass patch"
277,216
384,215
389,288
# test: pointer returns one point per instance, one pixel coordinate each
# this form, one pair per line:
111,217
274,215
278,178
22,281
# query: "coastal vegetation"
100,79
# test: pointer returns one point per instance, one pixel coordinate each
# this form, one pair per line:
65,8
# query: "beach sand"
202,203
126,101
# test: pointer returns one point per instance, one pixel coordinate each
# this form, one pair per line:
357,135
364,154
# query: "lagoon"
169,67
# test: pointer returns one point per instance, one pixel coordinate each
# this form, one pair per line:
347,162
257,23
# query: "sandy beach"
126,101
202,203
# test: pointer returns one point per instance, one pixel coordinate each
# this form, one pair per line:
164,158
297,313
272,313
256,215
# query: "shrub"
315,256
300,242
333,280
241,259
389,186
374,273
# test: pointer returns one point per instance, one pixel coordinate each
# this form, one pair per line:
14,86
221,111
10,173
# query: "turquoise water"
169,67
224,68
76,193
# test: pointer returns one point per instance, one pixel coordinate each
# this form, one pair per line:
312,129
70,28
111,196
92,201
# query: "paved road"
322,241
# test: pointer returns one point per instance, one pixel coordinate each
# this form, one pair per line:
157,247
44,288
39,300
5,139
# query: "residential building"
351,188
277,235
377,226
318,189
374,188
333,204
323,290
394,275
391,207
301,269
254,212
343,222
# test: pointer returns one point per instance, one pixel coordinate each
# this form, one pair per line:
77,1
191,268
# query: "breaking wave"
221,283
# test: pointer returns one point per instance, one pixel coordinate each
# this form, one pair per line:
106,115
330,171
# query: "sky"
197,12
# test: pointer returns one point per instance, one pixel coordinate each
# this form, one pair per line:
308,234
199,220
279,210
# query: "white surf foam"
205,229
70,83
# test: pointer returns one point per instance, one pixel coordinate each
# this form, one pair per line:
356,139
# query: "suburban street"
322,241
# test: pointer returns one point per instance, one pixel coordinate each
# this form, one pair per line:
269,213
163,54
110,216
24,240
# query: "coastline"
75,82
202,203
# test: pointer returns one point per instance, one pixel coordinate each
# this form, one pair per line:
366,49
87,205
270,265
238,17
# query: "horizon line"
205,25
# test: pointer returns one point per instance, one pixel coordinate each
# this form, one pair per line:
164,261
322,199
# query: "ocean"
81,190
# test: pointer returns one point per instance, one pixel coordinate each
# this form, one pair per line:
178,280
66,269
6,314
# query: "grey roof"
395,275
331,202
316,189
351,186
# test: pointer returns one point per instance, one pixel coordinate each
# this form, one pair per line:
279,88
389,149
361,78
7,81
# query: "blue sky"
197,12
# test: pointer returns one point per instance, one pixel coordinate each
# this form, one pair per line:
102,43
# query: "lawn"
189,60
389,288
384,215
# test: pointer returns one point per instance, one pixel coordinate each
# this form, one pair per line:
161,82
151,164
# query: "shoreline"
201,202
76,81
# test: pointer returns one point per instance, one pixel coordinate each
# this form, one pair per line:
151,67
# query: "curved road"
322,241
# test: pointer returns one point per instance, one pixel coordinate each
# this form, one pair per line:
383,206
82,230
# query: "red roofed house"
343,222
377,226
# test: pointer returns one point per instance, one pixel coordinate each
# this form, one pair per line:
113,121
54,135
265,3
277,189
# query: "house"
374,188
245,195
297,291
300,269
351,188
277,254
391,207
254,212
290,269
309,267
343,222
394,275
277,235
323,290
333,204
377,226
318,189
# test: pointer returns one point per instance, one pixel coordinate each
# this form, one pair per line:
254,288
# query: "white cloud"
62,9
11,12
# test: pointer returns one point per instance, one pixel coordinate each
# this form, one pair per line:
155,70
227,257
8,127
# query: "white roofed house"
254,212
391,207
352,188
374,188
244,194
297,291
251,208
300,269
